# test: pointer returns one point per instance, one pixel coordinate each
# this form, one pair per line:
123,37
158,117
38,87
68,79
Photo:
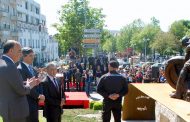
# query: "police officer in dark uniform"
112,87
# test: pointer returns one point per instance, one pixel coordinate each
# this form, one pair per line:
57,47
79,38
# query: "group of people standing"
83,74
21,89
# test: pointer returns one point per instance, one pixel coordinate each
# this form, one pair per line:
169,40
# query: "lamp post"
145,50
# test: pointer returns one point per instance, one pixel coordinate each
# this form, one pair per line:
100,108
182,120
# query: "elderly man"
13,102
54,94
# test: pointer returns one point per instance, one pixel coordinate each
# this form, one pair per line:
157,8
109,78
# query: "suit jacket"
53,97
13,102
34,93
67,75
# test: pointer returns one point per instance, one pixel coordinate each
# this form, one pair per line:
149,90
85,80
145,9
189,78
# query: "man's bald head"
12,49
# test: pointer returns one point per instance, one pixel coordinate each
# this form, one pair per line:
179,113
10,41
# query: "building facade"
21,20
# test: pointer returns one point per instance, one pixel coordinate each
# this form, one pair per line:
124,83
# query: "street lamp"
145,43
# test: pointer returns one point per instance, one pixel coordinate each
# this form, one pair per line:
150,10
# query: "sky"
119,13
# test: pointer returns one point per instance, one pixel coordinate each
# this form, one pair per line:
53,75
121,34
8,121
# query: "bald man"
13,103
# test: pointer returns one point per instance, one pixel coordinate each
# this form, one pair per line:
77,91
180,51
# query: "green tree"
75,16
155,22
145,38
180,28
126,34
108,42
165,43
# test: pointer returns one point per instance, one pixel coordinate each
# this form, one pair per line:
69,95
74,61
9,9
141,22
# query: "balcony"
13,17
4,13
4,32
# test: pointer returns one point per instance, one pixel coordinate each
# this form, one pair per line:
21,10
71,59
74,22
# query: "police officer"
112,87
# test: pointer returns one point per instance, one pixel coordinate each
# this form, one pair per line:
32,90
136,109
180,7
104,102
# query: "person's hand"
113,96
62,102
41,98
32,82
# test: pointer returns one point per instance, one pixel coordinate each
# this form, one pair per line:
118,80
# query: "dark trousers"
53,118
16,120
33,117
53,113
78,85
66,85
83,87
115,108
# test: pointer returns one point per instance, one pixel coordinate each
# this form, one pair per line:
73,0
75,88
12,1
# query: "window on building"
26,5
31,7
31,19
21,41
14,12
37,11
29,43
32,43
38,43
7,8
37,21
27,18
24,42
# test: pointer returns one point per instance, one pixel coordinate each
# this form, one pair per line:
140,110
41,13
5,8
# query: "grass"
73,115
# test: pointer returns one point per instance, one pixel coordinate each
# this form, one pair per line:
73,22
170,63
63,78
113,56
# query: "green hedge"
98,106
1,119
92,104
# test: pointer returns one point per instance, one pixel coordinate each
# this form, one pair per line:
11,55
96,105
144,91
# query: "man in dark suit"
13,102
67,79
54,94
27,71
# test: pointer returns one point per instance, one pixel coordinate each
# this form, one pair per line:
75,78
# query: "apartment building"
8,21
22,20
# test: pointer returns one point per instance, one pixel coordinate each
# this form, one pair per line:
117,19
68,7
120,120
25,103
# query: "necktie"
31,70
55,83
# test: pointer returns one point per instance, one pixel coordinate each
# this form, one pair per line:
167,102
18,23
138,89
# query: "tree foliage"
127,33
108,42
180,28
74,17
165,43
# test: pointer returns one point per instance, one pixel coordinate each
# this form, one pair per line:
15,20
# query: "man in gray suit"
13,103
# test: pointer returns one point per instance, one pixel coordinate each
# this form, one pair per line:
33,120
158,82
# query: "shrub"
1,119
98,106
92,104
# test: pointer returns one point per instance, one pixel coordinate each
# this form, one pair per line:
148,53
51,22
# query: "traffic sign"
90,41
89,36
90,45
92,30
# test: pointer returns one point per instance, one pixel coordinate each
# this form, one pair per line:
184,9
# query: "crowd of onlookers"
81,74
145,74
